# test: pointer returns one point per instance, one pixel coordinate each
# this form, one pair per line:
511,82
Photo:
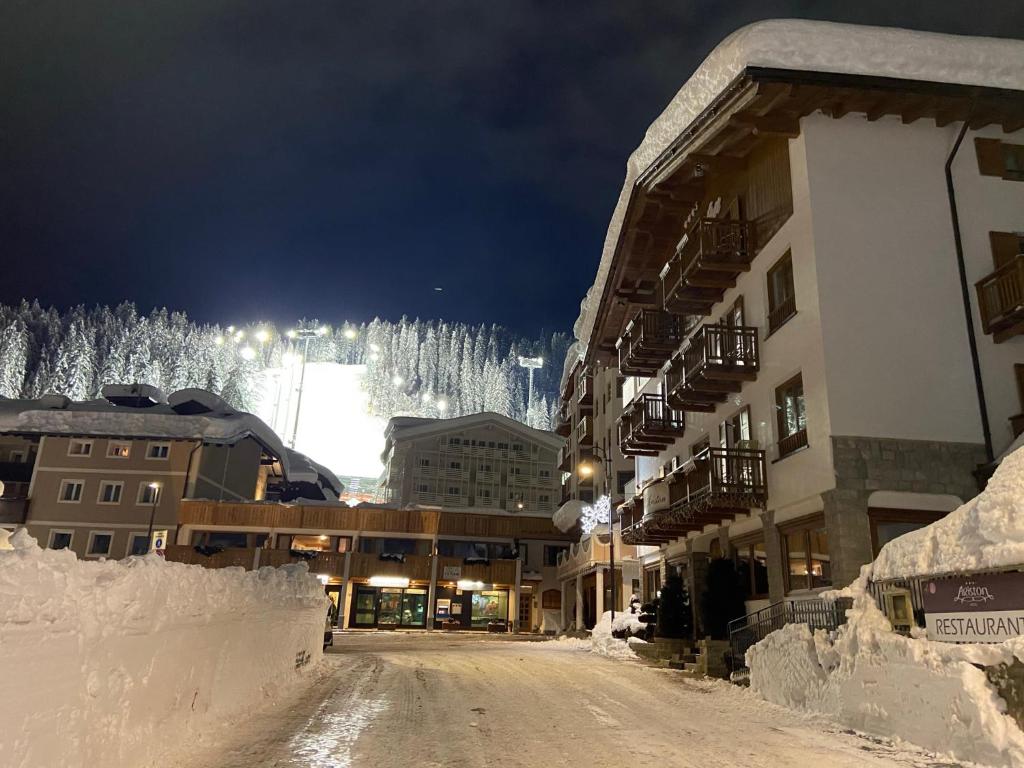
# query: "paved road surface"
468,702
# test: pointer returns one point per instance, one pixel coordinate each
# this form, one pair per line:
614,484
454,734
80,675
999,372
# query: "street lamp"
304,335
155,488
586,469
248,353
349,333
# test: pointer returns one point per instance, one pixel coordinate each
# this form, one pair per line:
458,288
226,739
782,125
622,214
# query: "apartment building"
386,567
814,355
483,461
89,476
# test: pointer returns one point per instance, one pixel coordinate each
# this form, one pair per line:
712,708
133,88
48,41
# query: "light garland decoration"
600,513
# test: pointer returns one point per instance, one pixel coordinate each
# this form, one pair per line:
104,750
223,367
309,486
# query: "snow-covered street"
456,700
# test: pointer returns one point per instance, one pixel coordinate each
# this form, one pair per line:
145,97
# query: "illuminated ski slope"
336,427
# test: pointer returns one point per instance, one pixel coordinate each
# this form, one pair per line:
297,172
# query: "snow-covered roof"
986,532
817,46
189,414
304,469
568,515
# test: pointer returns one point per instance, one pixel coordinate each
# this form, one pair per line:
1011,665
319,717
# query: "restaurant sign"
656,497
982,608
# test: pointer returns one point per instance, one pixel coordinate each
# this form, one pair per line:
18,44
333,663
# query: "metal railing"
584,431
815,613
717,242
778,315
1001,294
722,346
793,442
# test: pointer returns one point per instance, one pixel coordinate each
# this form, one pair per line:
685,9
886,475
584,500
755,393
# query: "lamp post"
304,335
155,488
587,470
531,364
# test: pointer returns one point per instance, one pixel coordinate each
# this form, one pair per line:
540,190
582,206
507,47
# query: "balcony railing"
565,459
779,314
648,341
681,393
712,256
648,425
585,431
793,442
716,484
1001,300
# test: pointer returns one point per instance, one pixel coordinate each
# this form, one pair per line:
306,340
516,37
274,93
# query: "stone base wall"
864,465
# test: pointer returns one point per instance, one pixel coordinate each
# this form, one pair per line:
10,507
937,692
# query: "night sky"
272,160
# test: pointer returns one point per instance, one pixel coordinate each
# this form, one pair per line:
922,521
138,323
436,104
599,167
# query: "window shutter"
990,157
1005,246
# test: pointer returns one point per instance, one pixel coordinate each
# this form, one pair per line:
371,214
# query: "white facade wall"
895,339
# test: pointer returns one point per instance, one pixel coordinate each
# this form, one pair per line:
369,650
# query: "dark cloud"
270,159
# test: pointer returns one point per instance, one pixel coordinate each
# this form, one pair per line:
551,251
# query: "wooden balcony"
717,484
563,420
648,425
648,341
13,511
714,363
565,458
1001,300
585,431
712,255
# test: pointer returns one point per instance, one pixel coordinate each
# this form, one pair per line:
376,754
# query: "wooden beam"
786,125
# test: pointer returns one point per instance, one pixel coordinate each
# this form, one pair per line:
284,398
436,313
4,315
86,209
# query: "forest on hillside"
414,367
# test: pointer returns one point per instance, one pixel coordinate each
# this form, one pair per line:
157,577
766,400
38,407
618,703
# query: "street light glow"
374,357
397,380
248,353
322,330
442,405
219,341
291,334
585,469
375,348
350,333
262,336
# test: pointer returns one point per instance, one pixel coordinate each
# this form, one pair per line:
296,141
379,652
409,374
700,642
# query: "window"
99,543
110,492
544,498
423,488
138,544
551,553
544,474
118,449
70,491
17,457
809,565
80,448
752,568
1000,159
792,416
736,430
503,446
61,539
147,494
424,462
230,539
454,490
551,599
158,450
781,294
485,467
622,481
1005,247
734,317
485,494
454,465
489,606
517,447
889,524
313,543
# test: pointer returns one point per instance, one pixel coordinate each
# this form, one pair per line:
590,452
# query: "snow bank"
986,532
873,680
813,46
601,640
121,663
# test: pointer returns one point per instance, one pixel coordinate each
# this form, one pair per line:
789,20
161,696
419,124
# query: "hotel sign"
451,572
656,497
984,608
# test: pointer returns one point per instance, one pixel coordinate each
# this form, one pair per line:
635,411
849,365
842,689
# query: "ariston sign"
982,608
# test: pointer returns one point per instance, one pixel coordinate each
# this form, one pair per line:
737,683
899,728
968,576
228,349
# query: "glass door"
390,612
414,608
366,607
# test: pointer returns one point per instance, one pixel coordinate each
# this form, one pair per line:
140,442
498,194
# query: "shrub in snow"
675,619
129,660
722,600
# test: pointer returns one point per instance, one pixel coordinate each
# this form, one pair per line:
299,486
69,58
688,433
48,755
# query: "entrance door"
334,593
365,607
390,612
525,611
414,608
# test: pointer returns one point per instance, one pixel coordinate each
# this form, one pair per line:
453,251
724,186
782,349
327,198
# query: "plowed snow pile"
106,663
935,695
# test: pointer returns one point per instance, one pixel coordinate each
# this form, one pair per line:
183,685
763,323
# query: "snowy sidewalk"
434,700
